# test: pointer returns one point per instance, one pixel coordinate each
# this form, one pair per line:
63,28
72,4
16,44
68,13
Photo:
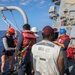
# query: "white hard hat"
34,29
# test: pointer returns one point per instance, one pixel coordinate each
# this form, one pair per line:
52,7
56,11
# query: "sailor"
25,42
63,40
35,30
8,49
47,56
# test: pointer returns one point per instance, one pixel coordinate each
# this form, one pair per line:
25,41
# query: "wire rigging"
4,19
7,20
14,20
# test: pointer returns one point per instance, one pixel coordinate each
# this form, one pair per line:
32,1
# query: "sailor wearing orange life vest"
47,56
63,40
27,38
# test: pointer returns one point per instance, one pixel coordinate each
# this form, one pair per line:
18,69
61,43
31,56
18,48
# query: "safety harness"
20,53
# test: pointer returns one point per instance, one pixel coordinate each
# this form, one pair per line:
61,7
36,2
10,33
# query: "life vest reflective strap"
62,39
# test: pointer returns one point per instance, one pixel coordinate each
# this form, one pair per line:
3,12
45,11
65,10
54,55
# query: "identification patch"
43,49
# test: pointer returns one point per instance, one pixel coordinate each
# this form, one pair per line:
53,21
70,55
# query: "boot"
11,73
67,72
3,73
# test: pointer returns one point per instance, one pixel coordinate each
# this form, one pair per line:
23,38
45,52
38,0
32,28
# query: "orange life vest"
62,38
28,37
70,51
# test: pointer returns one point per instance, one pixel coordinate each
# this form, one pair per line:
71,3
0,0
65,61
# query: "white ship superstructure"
65,17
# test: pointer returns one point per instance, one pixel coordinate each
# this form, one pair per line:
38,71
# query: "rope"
14,20
4,18
13,25
9,25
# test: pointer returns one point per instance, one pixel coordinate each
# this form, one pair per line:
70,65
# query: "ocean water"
2,33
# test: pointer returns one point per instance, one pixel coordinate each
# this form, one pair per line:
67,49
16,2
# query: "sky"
36,11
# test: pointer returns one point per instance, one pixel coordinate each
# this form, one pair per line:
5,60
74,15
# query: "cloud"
36,0
25,2
4,0
41,4
7,0
42,1
30,3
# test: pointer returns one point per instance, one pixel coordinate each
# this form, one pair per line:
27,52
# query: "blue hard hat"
63,31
